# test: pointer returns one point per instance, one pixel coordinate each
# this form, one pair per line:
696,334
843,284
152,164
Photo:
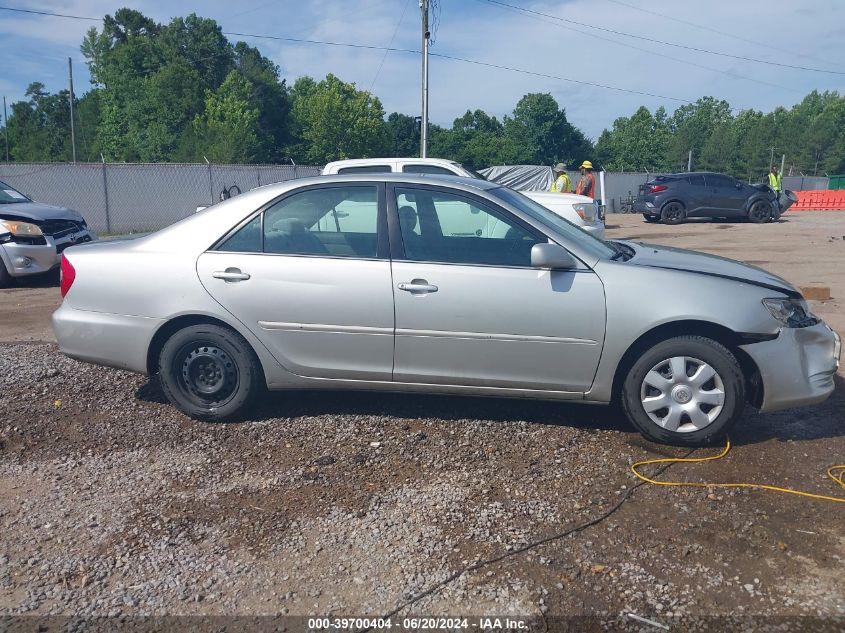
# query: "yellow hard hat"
586,165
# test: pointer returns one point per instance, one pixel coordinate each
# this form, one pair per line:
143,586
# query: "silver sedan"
439,285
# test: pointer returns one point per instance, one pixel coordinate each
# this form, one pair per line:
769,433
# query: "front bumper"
22,260
797,368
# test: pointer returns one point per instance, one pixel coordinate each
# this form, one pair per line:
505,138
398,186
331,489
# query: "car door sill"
383,385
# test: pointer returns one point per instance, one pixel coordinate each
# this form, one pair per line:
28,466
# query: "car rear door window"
331,221
444,227
696,181
717,180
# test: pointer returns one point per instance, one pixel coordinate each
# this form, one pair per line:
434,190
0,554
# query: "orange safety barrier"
819,200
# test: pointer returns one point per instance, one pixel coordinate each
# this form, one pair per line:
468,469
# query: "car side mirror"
552,256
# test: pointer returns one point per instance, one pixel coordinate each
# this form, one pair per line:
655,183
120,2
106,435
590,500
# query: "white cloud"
479,30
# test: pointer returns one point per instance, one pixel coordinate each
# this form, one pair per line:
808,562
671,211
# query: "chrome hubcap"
682,394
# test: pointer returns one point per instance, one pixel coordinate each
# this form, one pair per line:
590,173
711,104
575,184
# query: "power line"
656,41
55,15
389,44
657,54
717,31
559,78
410,51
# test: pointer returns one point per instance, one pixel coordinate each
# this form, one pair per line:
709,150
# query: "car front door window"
444,227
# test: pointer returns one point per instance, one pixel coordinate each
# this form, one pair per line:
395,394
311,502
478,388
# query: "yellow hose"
836,473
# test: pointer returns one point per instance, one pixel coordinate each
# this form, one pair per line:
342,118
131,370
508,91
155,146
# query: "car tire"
673,213
651,219
5,278
698,411
760,212
210,373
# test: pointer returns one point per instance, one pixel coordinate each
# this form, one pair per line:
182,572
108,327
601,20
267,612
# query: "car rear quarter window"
365,169
246,240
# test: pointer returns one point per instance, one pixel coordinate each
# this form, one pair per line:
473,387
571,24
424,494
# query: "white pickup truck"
580,210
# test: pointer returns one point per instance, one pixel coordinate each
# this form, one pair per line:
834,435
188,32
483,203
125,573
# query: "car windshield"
10,196
558,224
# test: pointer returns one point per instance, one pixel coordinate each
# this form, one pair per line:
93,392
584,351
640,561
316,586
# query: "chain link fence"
119,198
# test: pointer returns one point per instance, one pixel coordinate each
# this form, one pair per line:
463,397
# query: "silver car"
33,235
395,282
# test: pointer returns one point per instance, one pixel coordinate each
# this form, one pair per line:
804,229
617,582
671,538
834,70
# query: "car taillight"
657,188
67,276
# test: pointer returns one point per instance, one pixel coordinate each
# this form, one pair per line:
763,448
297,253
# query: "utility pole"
6,127
689,161
426,36
782,163
72,131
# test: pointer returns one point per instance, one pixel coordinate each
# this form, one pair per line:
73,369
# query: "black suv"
674,197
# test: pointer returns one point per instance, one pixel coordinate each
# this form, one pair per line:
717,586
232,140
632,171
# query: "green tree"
228,131
333,120
403,137
638,143
539,133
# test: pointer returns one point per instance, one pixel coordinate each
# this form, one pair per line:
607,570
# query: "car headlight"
586,211
791,312
21,229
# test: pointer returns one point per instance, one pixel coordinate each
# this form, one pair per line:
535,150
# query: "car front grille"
81,240
60,228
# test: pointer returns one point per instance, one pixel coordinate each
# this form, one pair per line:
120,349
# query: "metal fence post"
210,182
106,196
258,174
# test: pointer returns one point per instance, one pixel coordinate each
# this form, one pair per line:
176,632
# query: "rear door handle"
417,287
230,275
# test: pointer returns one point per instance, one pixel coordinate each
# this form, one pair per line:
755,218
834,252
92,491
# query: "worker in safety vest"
587,184
776,183
561,183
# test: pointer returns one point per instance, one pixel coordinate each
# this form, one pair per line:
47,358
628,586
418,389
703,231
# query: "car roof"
685,174
379,161
464,182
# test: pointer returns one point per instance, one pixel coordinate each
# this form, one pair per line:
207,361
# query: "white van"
580,210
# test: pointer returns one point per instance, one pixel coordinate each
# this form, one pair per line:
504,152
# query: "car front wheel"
687,390
760,212
209,372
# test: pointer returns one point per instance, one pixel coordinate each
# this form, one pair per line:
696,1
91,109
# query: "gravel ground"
112,503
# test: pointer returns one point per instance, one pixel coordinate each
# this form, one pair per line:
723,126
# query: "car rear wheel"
209,372
760,212
673,213
687,391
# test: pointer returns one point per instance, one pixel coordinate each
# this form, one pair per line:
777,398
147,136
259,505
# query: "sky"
809,34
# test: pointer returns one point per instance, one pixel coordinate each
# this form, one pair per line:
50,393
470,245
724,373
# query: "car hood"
38,211
658,256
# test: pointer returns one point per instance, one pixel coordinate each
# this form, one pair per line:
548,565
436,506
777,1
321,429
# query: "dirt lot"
111,503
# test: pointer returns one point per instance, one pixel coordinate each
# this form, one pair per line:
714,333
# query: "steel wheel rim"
208,373
682,394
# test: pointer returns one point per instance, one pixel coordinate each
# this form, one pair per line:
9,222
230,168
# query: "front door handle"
417,287
230,275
